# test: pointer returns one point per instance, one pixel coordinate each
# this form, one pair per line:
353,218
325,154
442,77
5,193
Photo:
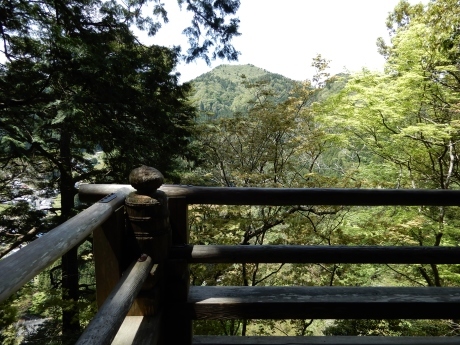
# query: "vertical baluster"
178,327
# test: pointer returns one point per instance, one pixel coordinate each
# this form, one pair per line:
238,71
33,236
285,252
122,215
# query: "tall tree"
403,126
275,144
404,122
75,78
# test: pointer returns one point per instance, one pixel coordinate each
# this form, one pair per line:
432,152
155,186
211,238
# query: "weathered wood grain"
316,254
20,267
128,330
107,248
138,330
105,325
148,300
230,302
148,220
294,196
88,193
338,340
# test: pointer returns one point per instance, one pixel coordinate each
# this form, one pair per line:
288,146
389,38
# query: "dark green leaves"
210,16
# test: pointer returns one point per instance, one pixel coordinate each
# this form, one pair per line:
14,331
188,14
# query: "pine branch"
19,241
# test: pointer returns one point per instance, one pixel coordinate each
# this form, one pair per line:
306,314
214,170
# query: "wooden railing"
142,257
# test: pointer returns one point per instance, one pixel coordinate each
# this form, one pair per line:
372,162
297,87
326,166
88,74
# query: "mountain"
221,92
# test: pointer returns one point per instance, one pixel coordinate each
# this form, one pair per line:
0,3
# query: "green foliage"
88,85
390,328
210,16
75,79
407,117
222,92
396,129
276,142
402,126
8,317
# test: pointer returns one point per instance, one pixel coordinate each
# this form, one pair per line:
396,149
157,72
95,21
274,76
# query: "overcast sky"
283,36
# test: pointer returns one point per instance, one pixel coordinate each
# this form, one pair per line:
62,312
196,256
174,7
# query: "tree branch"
19,241
426,276
404,275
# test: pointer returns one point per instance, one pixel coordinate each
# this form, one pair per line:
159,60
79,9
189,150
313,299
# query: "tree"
275,144
76,79
403,123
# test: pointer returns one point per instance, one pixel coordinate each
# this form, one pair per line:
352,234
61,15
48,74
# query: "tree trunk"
70,293
70,277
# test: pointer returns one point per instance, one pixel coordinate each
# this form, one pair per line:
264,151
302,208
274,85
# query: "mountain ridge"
221,92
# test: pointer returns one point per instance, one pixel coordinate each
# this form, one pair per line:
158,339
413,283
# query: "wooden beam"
177,277
148,300
105,325
294,196
336,340
89,193
108,254
20,267
316,254
138,330
240,302
178,218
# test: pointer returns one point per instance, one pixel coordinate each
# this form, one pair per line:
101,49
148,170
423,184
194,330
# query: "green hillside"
221,92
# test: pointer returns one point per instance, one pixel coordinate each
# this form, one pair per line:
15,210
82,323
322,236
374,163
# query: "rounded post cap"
146,179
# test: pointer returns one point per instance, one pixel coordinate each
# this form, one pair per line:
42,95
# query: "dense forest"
226,90
222,92
69,95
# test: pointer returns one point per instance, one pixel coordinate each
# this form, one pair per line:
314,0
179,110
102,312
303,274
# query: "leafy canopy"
74,80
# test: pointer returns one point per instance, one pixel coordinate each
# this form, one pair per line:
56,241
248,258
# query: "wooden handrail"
236,302
320,302
322,340
20,267
316,254
292,196
110,316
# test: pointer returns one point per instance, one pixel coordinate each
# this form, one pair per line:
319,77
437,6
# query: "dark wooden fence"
142,255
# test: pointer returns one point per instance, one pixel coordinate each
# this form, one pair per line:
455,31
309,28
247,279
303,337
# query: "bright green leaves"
408,114
274,144
403,124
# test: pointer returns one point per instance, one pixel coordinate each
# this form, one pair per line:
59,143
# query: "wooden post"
177,328
147,219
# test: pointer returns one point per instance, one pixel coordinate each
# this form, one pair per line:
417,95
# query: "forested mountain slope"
222,91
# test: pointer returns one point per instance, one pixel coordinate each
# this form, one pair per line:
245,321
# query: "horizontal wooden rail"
292,196
316,340
336,340
20,267
93,192
313,302
316,254
104,327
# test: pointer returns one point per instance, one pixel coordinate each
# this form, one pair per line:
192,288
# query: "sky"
284,36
